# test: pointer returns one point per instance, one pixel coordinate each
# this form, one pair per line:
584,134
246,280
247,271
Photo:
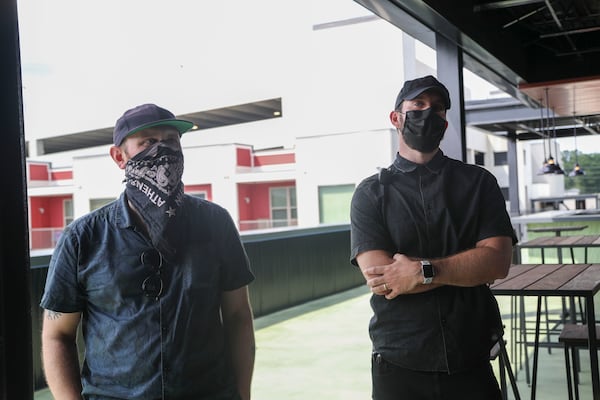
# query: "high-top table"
546,280
558,229
560,242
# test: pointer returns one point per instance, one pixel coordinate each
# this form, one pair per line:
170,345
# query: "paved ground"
321,350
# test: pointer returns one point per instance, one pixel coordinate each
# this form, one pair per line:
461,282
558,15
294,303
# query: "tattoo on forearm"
52,314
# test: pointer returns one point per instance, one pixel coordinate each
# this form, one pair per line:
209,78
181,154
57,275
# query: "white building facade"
297,169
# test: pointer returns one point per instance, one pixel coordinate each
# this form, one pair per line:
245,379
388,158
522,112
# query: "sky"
98,58
85,61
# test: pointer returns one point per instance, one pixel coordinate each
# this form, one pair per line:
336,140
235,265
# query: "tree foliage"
590,163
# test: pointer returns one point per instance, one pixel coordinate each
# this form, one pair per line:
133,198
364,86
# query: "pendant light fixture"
548,161
550,165
577,170
557,170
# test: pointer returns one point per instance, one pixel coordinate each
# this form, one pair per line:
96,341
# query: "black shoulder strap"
385,178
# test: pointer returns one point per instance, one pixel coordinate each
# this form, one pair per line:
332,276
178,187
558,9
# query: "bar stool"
574,337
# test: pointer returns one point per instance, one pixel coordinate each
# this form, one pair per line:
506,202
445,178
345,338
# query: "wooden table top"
562,241
558,229
549,280
557,280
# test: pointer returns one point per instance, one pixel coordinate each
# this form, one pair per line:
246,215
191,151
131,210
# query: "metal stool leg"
523,334
575,371
505,365
568,369
547,324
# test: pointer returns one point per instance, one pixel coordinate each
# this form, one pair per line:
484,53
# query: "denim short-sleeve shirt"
138,347
431,211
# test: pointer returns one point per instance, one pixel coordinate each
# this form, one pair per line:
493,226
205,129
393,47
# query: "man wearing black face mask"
158,280
428,234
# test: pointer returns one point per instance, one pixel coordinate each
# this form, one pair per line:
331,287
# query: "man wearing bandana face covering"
158,279
428,234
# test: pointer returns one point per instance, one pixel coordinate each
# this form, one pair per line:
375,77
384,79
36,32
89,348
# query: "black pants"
391,382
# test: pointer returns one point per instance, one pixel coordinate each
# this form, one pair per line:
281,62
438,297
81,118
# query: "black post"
16,378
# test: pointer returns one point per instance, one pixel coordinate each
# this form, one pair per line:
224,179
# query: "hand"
402,276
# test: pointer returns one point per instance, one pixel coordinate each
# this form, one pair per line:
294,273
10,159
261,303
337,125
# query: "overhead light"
550,166
577,170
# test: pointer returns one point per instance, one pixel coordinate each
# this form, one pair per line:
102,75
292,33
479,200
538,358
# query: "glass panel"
97,203
334,203
279,218
501,158
278,197
200,195
68,211
280,214
479,158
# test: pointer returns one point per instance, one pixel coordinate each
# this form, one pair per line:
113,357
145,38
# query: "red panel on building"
47,215
61,175
38,172
274,159
254,202
244,157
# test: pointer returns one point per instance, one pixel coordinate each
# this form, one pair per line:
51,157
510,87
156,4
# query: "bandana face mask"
154,187
423,130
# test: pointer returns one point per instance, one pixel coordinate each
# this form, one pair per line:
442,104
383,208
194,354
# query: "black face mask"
423,130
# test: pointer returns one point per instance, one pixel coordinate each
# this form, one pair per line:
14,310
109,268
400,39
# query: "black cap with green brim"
146,116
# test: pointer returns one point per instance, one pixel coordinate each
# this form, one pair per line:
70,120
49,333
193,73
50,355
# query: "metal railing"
44,238
258,224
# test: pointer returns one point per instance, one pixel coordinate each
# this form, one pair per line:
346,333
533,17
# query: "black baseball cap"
415,87
146,116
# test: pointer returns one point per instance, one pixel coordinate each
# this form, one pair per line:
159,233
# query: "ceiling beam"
504,4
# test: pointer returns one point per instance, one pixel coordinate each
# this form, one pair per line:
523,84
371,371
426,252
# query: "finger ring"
385,287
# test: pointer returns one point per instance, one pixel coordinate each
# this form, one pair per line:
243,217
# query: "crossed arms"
489,260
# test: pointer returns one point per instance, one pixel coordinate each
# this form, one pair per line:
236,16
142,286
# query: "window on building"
500,158
334,203
284,211
97,203
68,211
479,158
201,195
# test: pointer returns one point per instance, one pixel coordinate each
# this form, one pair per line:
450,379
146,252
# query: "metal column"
450,73
16,381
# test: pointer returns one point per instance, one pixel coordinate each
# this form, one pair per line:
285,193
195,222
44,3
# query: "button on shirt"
430,211
138,347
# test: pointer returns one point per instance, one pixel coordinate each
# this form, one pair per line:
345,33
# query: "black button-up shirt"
430,211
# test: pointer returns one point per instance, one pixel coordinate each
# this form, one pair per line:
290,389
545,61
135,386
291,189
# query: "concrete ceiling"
237,114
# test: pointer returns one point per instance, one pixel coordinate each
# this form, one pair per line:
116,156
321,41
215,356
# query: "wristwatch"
428,272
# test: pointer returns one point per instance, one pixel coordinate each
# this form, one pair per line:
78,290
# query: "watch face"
427,269
428,272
